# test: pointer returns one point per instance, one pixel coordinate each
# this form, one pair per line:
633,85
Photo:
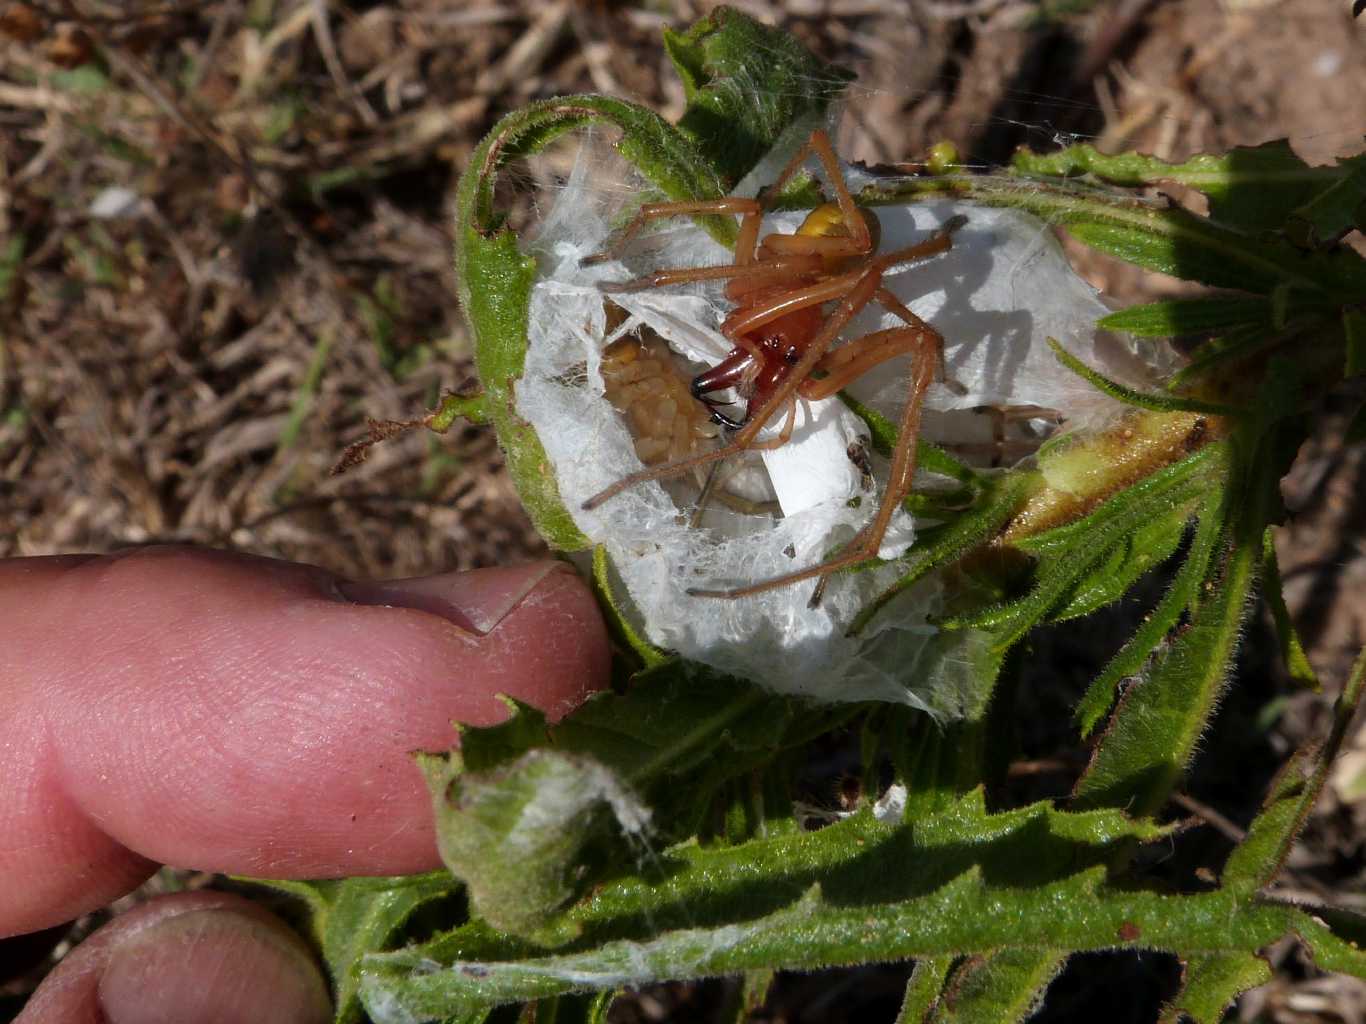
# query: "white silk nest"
1004,288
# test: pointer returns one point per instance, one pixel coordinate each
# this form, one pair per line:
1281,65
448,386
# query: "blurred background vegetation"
225,242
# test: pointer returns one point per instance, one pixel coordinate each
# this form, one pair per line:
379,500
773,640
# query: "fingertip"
213,965
238,714
539,618
187,957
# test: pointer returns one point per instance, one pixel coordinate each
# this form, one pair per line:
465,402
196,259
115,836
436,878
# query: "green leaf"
698,906
1166,239
1117,391
353,917
1180,597
754,989
307,392
1218,353
968,914
937,765
674,718
1155,729
1254,187
1335,210
1070,553
571,1009
1255,862
684,733
1008,621
1006,986
1292,650
1258,858
675,741
746,84
1133,557
1279,398
1211,982
618,623
924,989
1173,484
470,408
514,834
944,545
1173,318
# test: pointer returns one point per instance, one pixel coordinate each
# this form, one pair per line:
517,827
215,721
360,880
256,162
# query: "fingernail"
476,601
212,965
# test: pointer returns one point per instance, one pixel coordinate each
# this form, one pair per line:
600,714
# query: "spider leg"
819,144
714,477
870,349
709,488
779,270
829,246
940,241
749,318
748,209
711,491
851,361
784,435
894,305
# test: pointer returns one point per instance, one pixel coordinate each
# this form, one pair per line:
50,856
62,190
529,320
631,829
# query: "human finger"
202,956
239,714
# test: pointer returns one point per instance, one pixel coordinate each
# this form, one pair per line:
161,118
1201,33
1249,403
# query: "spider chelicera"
785,340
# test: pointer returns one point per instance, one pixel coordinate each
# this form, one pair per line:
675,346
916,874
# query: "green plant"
654,834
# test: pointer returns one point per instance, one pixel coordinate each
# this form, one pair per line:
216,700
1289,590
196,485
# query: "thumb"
238,714
189,957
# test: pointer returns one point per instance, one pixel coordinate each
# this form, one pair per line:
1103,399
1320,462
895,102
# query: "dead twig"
327,46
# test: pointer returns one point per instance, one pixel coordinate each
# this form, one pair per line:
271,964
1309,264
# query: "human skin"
227,713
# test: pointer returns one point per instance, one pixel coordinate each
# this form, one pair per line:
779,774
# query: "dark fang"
717,416
721,419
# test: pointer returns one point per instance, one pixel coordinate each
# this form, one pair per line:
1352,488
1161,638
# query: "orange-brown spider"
783,339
